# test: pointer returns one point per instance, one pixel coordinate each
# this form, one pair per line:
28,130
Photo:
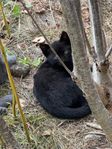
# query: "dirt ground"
46,131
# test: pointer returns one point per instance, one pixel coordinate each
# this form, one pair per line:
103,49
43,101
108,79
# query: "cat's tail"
69,113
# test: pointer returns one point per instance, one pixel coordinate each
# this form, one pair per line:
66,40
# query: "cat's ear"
64,38
45,49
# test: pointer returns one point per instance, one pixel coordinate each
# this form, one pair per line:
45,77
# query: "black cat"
53,86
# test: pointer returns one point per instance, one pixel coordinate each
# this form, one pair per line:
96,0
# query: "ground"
46,131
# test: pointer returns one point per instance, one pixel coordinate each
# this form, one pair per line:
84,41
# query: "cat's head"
62,48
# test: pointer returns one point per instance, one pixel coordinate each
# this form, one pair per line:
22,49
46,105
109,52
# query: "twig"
97,133
104,40
38,27
108,52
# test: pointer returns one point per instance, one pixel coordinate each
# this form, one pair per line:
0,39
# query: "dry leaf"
47,132
94,125
39,40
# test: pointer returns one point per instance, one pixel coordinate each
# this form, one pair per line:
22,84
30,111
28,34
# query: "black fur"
53,86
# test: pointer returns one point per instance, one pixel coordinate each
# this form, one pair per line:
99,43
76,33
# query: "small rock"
11,59
20,70
6,101
3,111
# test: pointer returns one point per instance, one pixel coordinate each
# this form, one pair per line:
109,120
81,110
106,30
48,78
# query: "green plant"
16,12
27,61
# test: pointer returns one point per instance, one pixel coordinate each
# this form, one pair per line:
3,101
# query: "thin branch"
108,52
104,40
38,27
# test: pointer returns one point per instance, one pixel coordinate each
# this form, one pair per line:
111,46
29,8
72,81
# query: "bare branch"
108,52
104,40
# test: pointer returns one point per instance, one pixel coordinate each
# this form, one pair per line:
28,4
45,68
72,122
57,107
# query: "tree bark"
80,57
96,28
7,136
100,75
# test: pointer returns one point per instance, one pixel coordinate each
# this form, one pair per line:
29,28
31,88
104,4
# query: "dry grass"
46,131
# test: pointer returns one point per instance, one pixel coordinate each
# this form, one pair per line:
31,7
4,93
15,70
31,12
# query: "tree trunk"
96,29
80,57
7,136
100,75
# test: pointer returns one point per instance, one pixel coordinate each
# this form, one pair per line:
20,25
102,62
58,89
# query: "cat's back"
46,73
49,79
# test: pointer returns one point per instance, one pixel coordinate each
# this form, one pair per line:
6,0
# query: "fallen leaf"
94,125
47,132
38,40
